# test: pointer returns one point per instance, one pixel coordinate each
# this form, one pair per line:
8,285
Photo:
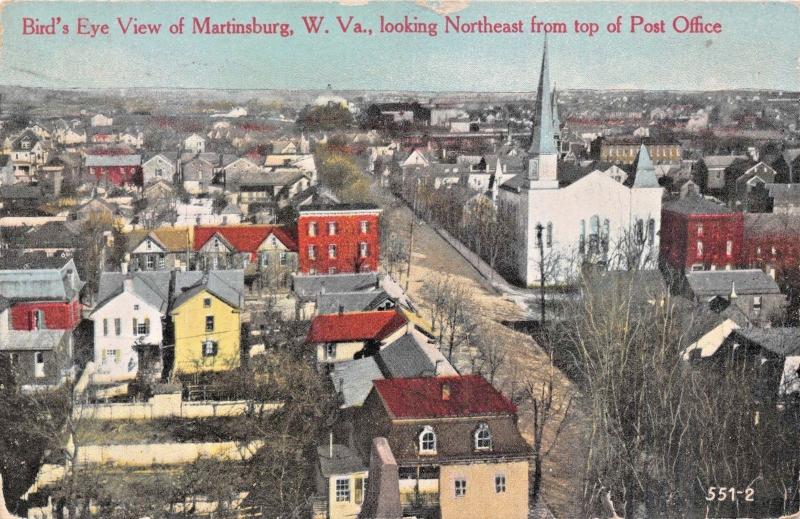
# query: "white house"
158,167
128,319
200,211
195,143
70,136
101,120
593,219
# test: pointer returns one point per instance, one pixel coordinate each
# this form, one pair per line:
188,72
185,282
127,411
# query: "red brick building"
772,242
338,238
697,234
116,169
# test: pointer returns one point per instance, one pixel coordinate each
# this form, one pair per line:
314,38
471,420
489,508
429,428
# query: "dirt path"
526,361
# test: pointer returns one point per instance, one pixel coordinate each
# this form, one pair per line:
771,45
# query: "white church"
593,219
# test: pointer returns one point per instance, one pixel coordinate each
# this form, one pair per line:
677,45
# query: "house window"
13,359
105,327
207,302
159,172
699,249
330,351
312,252
37,320
111,356
500,484
639,231
209,348
538,234
729,247
118,326
143,327
264,261
582,237
135,307
461,487
151,262
699,229
209,323
342,489
364,227
331,270
427,441
756,302
363,250
312,228
358,490
332,228
483,437
312,271
282,258
332,251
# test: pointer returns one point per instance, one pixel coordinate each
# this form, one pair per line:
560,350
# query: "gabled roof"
354,326
708,283
310,286
37,277
171,239
113,160
694,204
721,161
33,340
244,238
469,395
781,341
353,379
227,285
331,303
150,287
412,356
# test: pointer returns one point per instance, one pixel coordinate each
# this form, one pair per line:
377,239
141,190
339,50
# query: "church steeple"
543,162
645,171
556,119
543,141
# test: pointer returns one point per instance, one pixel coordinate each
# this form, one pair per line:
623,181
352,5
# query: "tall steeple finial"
543,142
645,171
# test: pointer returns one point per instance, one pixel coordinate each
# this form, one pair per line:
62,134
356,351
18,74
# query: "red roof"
244,238
354,326
470,395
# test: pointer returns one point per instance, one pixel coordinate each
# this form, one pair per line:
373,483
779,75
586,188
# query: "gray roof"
113,160
34,340
330,303
772,224
710,283
29,281
353,378
198,170
721,161
405,358
309,287
344,461
228,285
150,287
694,205
781,341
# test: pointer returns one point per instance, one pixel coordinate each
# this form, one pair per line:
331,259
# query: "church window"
582,238
651,231
549,234
606,232
639,230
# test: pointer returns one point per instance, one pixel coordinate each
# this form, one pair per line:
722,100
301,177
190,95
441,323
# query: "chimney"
446,391
341,309
127,284
124,267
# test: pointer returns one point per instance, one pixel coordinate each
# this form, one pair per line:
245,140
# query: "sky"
758,48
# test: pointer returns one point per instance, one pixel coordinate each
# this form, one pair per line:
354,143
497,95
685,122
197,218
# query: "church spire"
543,142
645,171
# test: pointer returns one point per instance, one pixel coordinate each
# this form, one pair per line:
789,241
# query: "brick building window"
363,249
312,228
332,251
461,487
332,229
364,227
312,252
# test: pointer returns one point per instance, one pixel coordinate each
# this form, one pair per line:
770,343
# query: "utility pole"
540,241
411,238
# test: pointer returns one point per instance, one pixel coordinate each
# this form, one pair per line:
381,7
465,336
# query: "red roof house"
440,397
244,238
346,336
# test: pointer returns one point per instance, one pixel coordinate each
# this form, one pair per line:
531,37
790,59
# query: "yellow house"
206,314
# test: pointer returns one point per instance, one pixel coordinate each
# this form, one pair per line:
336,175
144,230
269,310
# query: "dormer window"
427,441
483,437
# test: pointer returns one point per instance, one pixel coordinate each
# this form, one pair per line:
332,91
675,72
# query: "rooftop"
721,282
244,238
695,205
355,326
470,395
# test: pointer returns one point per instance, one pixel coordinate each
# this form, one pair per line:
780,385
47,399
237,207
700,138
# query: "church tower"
542,164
